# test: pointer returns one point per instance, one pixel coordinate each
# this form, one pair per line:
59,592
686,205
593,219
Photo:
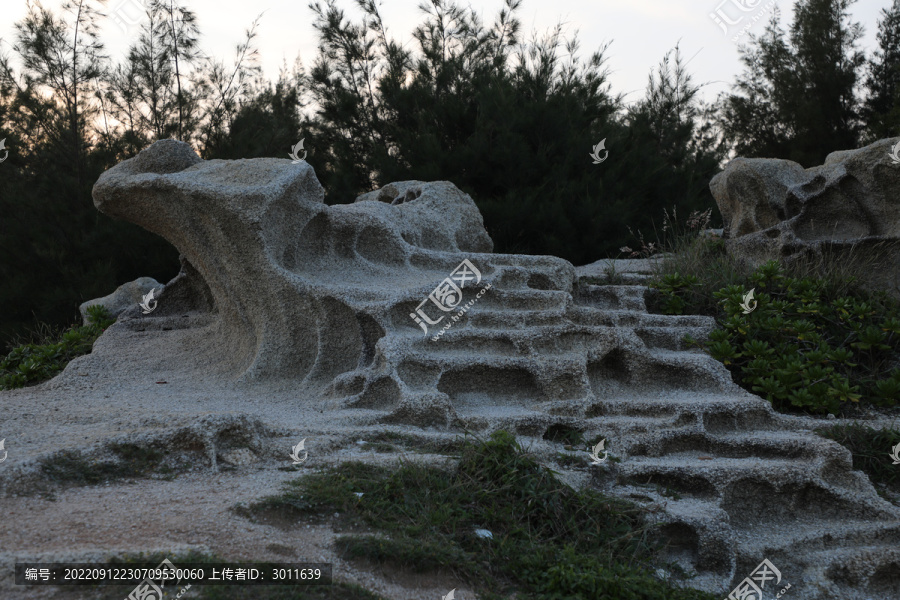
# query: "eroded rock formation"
847,210
277,285
354,301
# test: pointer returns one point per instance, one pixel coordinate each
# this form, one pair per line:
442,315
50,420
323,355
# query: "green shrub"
805,348
817,341
674,292
99,315
32,363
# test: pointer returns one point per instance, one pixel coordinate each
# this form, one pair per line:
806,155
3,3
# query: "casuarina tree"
797,96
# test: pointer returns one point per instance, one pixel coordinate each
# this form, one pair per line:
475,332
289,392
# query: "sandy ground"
113,394
188,512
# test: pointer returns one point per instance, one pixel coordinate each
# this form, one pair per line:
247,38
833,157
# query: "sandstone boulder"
846,210
126,296
290,277
392,303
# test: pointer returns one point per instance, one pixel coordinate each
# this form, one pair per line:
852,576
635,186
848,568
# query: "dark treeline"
508,118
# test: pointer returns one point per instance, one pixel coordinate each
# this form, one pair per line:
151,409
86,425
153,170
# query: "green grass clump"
871,450
549,541
32,363
571,461
693,267
687,279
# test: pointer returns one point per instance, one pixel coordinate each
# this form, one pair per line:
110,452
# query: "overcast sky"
641,31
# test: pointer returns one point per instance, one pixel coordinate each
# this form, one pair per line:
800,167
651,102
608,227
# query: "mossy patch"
129,460
390,441
32,363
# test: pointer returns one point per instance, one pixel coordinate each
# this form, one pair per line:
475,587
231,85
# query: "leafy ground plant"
547,541
805,347
815,342
694,265
33,363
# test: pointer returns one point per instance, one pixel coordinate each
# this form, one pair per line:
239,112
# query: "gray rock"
185,296
312,305
630,270
303,290
846,211
126,296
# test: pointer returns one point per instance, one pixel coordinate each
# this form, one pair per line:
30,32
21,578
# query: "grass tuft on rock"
548,540
382,439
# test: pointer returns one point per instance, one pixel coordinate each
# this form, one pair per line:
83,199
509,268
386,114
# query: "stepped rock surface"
291,319
847,209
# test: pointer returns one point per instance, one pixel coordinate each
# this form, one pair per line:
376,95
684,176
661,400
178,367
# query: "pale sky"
641,31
